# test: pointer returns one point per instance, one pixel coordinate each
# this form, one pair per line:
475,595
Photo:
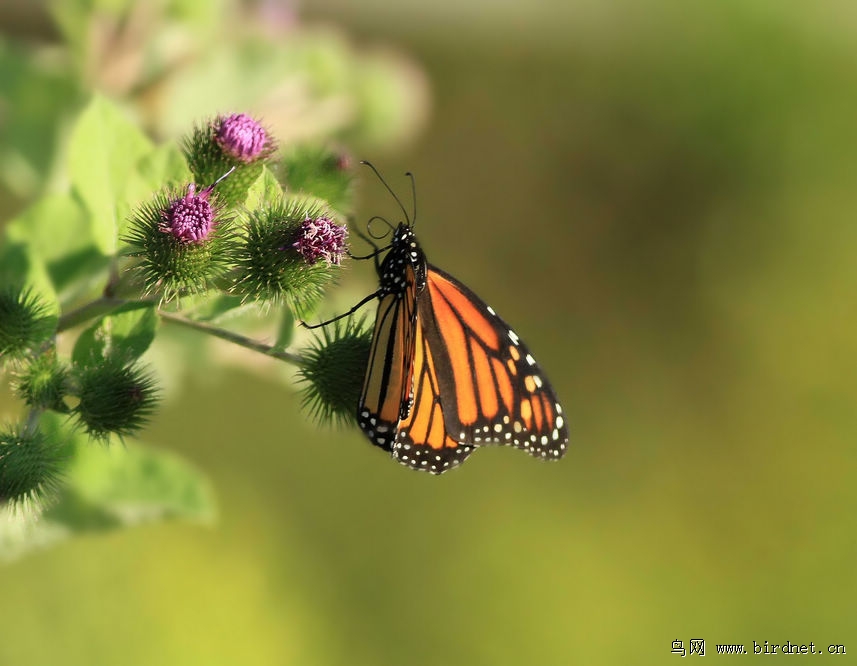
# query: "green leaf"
103,153
265,190
111,487
137,484
38,99
126,333
215,309
318,171
165,165
60,230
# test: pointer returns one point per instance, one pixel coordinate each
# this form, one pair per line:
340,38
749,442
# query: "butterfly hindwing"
423,440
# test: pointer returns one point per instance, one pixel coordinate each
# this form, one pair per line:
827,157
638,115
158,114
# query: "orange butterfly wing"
446,374
475,383
389,377
423,440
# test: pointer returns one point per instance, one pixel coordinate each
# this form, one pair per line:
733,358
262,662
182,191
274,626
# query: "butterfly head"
403,235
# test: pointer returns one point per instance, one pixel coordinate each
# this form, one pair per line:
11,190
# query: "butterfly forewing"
493,389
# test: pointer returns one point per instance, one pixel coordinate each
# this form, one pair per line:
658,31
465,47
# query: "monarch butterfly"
445,373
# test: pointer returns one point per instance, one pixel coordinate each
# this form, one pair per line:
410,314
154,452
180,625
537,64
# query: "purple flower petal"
241,137
321,238
190,218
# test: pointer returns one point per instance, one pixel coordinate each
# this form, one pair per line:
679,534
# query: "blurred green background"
660,197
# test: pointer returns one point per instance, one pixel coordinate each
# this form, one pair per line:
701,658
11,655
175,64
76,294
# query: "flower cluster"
226,227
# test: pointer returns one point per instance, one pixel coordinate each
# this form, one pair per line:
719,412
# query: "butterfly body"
446,374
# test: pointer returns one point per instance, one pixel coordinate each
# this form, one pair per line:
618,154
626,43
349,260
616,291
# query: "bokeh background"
660,196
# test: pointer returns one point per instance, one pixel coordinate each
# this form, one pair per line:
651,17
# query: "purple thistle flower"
190,218
241,137
321,238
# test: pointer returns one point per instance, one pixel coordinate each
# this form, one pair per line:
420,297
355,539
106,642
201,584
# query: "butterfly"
445,373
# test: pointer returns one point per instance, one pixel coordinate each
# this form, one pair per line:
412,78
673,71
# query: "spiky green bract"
25,322
208,161
115,398
168,266
324,172
43,382
268,268
332,372
31,466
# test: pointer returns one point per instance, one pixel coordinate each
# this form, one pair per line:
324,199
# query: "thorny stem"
235,338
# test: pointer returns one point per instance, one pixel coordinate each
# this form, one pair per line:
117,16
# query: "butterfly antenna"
389,189
382,219
413,196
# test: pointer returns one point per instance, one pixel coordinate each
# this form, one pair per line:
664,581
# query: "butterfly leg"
350,312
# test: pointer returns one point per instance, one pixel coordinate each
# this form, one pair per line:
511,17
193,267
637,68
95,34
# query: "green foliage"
324,172
37,99
125,334
104,489
57,231
22,271
112,237
264,190
103,153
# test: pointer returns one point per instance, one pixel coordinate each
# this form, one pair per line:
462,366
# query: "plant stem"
96,308
235,338
33,420
107,304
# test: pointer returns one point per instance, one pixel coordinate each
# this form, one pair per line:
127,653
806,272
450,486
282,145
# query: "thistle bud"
233,140
31,466
24,322
332,371
42,383
115,398
279,253
183,242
